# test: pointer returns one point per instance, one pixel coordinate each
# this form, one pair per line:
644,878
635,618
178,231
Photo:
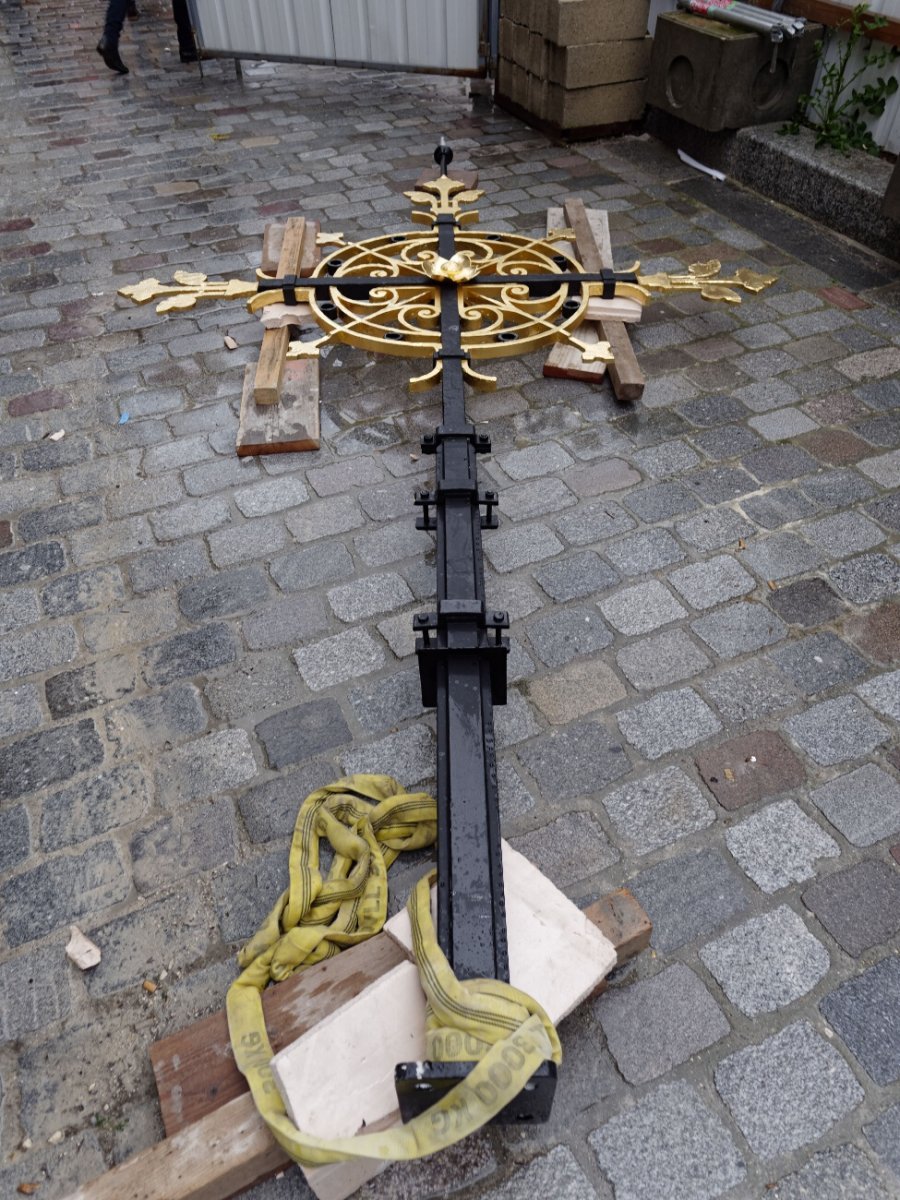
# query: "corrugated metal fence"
437,35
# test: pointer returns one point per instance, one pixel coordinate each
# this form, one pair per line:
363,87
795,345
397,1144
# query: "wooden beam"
195,1070
295,245
563,361
594,249
290,425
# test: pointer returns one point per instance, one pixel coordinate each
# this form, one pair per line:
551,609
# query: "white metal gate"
452,36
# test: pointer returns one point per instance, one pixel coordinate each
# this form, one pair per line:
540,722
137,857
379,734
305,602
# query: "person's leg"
115,19
108,46
186,43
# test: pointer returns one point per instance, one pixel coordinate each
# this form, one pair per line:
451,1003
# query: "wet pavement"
704,590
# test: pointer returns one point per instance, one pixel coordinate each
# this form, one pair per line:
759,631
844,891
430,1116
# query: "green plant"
837,110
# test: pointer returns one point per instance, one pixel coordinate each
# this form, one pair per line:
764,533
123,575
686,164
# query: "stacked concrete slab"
574,66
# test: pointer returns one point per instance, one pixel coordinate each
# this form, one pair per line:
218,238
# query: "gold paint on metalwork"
188,288
702,278
444,196
459,268
401,315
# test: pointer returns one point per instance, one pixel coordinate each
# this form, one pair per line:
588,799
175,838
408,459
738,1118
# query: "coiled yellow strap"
369,820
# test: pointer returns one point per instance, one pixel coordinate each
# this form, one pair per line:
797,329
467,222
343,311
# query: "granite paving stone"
779,845
556,1173
575,761
877,633
782,424
807,1085
867,578
657,661
202,768
883,694
34,992
60,890
573,691
780,556
750,768
842,1173
304,731
575,576
835,489
670,721
739,628
407,756
864,805
836,447
718,484
859,906
643,552
886,510
510,549
568,850
336,659
599,477
20,710
844,534
594,523
806,602
668,1145
775,507
819,662
689,897
660,1022
883,468
566,634
704,585
863,1012
836,731
714,529
641,608
883,1135
104,801
768,962
660,501
657,810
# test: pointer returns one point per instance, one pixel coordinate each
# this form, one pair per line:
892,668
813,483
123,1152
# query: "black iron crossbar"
365,283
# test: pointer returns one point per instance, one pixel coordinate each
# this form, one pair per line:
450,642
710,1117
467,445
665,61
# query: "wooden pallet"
217,1145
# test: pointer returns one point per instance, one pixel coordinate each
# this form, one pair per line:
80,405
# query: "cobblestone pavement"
704,587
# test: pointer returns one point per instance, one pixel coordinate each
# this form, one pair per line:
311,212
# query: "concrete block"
597,62
609,104
716,76
578,22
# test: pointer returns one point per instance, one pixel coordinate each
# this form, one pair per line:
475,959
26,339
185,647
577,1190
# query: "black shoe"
188,54
110,55
133,12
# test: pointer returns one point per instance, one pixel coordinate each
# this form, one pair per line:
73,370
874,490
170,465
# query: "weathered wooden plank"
595,252
273,240
269,369
291,424
565,362
195,1070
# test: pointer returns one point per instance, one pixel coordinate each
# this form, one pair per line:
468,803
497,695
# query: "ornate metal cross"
452,296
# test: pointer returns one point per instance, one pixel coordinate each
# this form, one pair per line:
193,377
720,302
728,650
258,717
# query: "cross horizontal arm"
367,283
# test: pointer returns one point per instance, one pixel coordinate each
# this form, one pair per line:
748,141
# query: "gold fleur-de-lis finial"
188,288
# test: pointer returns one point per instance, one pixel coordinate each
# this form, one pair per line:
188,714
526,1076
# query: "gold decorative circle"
497,319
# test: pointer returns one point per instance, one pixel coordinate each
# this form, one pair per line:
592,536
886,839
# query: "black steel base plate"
419,1085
